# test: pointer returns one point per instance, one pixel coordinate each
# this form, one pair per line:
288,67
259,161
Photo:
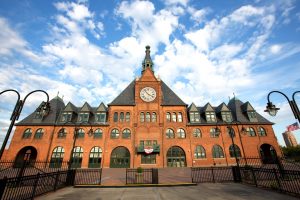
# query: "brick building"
289,139
147,125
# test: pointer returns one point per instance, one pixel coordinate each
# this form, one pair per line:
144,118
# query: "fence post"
277,179
71,177
213,175
253,175
192,174
56,180
3,183
126,175
236,174
154,176
35,185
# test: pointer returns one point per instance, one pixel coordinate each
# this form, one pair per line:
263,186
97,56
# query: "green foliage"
139,170
292,153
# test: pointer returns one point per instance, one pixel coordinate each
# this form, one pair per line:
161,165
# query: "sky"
206,51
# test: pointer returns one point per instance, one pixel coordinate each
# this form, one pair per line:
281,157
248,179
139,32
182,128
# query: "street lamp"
272,110
44,108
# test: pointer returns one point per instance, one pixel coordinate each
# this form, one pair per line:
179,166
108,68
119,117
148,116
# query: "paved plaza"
209,191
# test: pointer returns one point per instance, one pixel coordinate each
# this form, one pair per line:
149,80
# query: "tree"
292,153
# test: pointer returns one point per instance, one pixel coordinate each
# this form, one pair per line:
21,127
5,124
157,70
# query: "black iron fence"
28,187
144,176
88,176
213,174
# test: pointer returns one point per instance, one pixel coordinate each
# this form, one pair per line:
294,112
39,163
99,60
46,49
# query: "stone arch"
268,154
176,157
120,157
27,154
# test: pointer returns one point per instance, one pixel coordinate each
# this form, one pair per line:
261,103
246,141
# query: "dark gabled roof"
209,108
247,107
169,98
86,108
101,108
70,108
193,108
126,98
56,105
222,107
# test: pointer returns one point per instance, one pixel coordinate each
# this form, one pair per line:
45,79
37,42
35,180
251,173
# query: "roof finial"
147,61
62,97
233,95
57,93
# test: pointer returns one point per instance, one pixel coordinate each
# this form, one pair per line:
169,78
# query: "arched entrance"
120,158
176,157
268,154
25,155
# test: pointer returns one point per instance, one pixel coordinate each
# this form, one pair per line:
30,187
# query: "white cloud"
172,2
198,15
275,49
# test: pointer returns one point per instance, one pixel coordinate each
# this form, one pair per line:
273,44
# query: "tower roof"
147,63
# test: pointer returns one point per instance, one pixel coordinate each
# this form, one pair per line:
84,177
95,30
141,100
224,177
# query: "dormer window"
38,115
100,117
252,116
194,117
83,117
66,116
210,116
226,116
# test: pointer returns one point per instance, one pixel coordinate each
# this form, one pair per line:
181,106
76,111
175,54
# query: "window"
57,157
62,133
153,119
101,117
214,132
179,117
80,133
210,116
230,132
173,117
251,132
95,157
114,133
237,150
148,159
38,114
142,117
199,152
66,116
76,157
98,133
261,131
180,133
252,116
148,117
170,133
115,117
27,133
121,117
226,116
83,117
127,117
217,152
194,117
148,143
39,133
197,133
126,134
168,117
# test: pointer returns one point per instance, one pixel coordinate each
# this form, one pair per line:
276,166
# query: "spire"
147,61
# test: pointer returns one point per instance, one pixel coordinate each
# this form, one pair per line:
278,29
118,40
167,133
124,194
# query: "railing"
212,174
147,176
28,187
88,177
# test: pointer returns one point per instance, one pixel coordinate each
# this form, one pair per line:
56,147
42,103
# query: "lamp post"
44,108
272,110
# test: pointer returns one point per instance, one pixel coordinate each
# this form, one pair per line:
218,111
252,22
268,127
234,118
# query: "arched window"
126,134
170,133
214,132
153,118
217,151
80,133
95,157
262,131
180,133
115,117
199,152
27,133
251,132
148,118
62,133
142,117
168,117
121,117
179,116
237,151
114,133
127,118
76,157
98,133
230,132
197,133
57,157
173,117
39,133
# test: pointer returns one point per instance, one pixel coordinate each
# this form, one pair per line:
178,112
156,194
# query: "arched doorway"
176,157
268,154
25,155
120,158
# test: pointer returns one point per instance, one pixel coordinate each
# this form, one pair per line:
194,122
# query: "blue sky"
204,50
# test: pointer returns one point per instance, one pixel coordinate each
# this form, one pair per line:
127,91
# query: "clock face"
148,94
